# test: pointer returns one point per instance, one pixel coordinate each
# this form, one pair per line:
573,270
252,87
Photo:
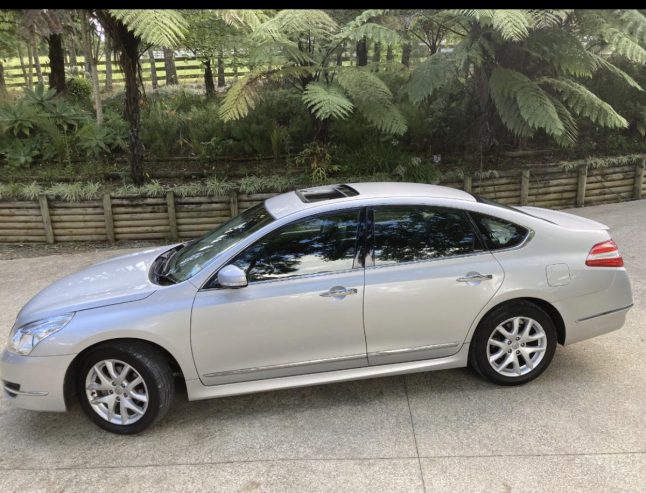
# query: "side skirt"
197,391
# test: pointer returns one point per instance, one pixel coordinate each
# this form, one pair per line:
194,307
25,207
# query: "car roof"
288,203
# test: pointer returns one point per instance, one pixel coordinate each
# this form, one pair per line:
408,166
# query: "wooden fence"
175,218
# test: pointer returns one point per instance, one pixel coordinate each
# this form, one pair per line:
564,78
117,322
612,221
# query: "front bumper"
34,382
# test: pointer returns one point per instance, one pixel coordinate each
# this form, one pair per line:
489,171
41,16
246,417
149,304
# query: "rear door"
427,278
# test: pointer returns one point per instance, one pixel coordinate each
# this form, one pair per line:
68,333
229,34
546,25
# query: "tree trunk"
376,56
39,70
208,78
91,61
221,81
30,66
56,63
362,53
153,69
23,68
108,64
389,54
3,83
406,51
74,68
169,65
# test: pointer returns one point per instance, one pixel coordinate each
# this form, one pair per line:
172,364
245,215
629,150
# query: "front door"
302,311
429,280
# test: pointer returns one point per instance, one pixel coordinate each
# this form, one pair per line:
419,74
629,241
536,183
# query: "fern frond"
623,44
292,23
604,64
157,27
373,32
240,18
477,14
513,25
549,17
373,99
571,133
327,102
432,74
563,51
534,104
241,97
585,103
635,23
364,17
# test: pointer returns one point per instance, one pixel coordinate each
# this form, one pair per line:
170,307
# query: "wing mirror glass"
231,276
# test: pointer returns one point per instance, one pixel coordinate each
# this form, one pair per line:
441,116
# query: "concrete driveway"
580,427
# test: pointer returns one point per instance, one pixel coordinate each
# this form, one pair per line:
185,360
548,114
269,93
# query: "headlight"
23,339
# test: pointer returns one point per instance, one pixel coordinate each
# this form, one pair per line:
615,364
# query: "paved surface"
580,427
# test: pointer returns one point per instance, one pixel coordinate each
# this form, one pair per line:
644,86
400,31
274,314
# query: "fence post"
47,221
172,216
639,178
233,203
524,187
581,182
468,182
107,216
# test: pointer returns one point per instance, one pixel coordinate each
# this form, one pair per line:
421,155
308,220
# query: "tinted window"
408,233
313,246
499,233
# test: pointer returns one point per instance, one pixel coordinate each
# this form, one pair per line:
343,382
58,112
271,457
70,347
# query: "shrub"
78,90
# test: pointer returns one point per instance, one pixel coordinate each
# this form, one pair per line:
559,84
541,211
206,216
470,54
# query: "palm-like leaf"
373,32
585,103
157,27
604,64
241,97
534,105
327,101
512,25
432,74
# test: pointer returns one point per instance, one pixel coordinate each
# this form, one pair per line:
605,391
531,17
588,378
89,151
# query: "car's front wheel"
513,344
125,387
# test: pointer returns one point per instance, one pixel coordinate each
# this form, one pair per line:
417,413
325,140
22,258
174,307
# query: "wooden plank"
172,217
47,221
233,203
108,217
21,239
581,182
73,205
639,178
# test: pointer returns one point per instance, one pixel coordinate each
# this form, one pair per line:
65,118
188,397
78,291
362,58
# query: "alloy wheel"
516,346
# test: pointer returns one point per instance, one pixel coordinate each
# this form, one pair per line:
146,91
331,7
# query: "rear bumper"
598,313
34,382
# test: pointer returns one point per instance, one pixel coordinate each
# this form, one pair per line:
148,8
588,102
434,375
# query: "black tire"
153,369
478,358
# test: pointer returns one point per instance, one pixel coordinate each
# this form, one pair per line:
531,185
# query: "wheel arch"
72,369
546,306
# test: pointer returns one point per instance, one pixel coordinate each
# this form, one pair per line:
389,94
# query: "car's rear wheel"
513,344
125,387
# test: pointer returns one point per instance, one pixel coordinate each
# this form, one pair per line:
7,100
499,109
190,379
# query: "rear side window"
499,233
412,233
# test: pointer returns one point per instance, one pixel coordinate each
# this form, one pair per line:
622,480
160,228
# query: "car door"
427,277
301,312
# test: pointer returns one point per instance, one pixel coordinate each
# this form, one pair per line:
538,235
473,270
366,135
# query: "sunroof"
326,192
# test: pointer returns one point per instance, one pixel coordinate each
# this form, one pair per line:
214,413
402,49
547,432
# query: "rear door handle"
475,277
338,292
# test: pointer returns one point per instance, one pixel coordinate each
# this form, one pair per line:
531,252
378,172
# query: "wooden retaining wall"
174,218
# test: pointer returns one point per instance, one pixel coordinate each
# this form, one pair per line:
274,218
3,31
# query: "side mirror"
231,276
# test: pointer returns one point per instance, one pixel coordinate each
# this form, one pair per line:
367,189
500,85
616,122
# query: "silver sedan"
319,285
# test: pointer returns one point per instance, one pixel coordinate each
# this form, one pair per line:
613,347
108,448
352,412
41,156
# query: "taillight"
604,254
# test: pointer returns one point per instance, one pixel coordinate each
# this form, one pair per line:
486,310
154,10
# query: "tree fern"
534,104
571,131
585,103
296,22
548,17
327,101
432,74
635,23
157,27
373,99
604,64
512,25
563,51
241,97
623,44
373,32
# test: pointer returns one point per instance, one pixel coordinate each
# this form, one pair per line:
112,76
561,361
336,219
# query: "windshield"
188,261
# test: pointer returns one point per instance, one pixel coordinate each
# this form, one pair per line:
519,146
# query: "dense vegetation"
398,94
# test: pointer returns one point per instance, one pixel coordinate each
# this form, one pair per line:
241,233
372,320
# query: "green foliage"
327,102
20,153
74,192
435,73
318,159
156,27
79,91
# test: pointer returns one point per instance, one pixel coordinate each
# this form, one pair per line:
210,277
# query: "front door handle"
338,292
475,277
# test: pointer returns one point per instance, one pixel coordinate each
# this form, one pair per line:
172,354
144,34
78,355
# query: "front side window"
413,233
316,245
499,233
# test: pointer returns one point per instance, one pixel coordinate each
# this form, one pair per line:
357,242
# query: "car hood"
117,280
